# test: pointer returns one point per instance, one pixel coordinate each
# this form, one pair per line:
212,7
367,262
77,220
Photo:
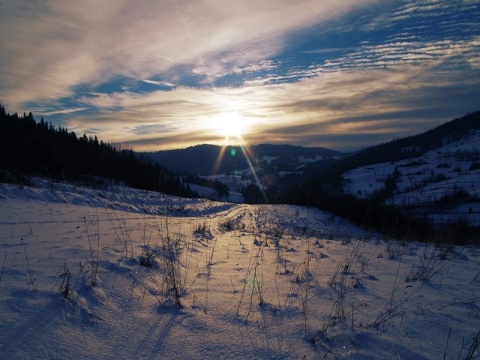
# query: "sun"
229,125
230,119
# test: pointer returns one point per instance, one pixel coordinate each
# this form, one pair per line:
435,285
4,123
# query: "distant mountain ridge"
209,159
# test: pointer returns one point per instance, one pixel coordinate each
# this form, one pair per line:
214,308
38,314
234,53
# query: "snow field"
268,281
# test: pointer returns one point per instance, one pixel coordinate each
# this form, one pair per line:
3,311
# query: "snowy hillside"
116,273
445,182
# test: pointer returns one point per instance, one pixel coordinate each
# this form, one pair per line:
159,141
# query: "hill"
406,187
441,184
252,174
210,160
411,146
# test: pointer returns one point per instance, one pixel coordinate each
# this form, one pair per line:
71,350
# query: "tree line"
31,148
221,188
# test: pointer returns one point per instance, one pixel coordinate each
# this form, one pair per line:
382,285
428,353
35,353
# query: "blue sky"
173,73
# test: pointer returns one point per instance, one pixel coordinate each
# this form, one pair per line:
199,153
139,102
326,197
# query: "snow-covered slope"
113,196
423,181
96,273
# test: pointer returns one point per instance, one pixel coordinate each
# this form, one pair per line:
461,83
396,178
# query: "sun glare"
231,126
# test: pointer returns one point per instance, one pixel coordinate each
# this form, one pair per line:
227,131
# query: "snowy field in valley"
116,273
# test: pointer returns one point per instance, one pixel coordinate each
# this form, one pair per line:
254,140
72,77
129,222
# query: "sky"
167,74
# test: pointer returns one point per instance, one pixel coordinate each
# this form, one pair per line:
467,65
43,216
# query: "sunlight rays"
246,153
228,118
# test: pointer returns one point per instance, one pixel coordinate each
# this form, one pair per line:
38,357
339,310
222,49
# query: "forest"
31,148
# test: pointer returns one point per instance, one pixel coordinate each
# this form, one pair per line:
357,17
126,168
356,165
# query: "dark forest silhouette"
29,148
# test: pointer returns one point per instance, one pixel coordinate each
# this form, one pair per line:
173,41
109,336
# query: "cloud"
343,109
157,74
49,47
50,112
159,83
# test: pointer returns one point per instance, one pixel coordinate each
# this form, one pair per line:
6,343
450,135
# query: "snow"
254,281
269,159
426,179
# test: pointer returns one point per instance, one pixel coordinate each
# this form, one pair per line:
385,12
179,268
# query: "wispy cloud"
159,83
155,73
372,104
48,48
